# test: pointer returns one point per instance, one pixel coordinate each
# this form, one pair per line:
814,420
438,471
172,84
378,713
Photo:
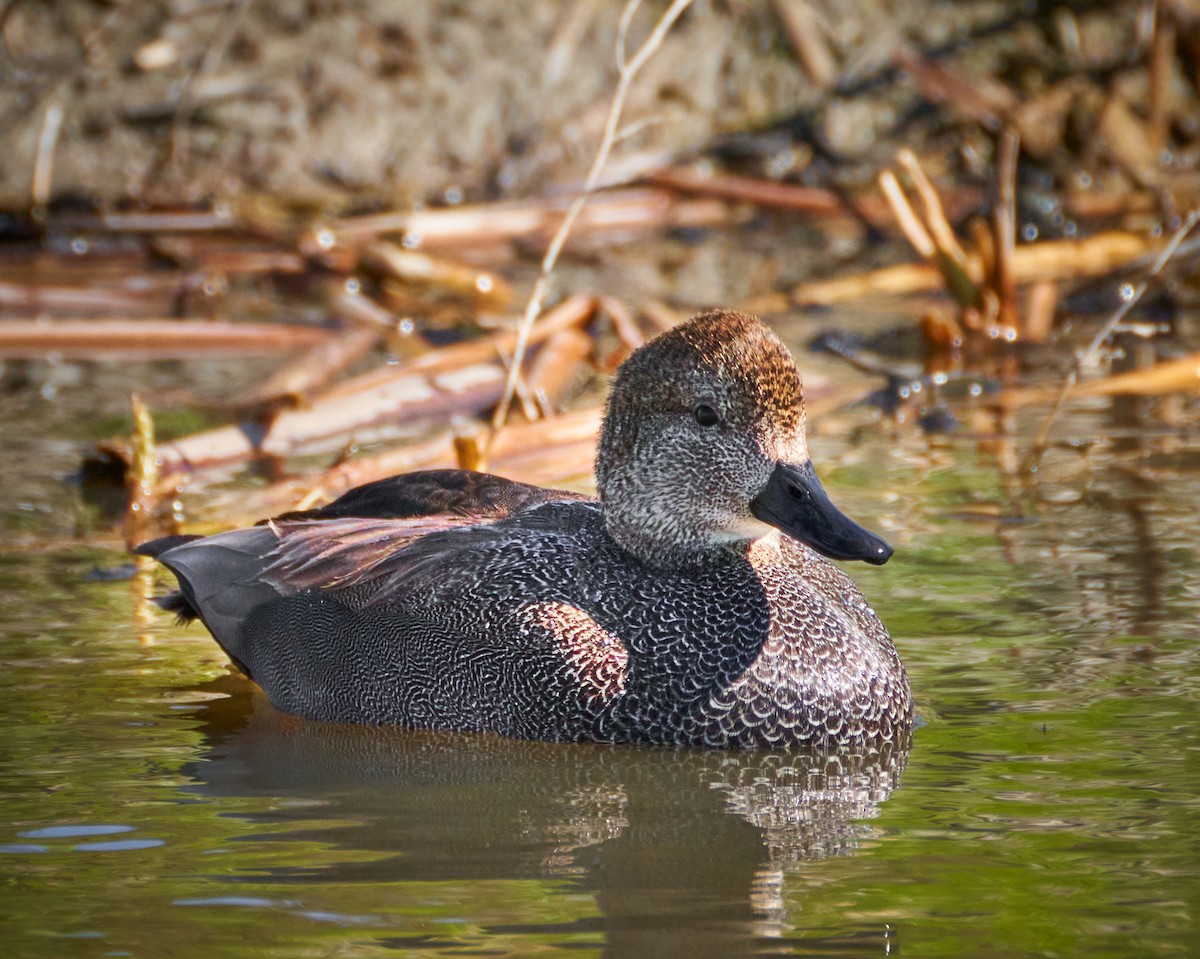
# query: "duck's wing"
341,544
224,578
429,493
338,553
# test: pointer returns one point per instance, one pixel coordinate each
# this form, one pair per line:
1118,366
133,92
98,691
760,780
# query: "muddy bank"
381,103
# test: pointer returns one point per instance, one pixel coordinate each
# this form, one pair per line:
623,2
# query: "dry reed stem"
152,338
624,325
804,32
43,164
546,452
929,230
1004,225
627,71
294,382
487,224
764,193
1029,465
1162,57
142,478
1047,260
448,276
933,212
910,224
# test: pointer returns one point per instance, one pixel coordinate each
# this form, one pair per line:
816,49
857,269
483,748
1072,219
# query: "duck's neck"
674,546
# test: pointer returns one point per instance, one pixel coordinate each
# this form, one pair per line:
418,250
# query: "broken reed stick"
1162,57
1180,375
555,366
151,339
464,378
142,477
485,224
219,218
220,254
623,323
295,381
1045,260
804,32
330,419
986,102
743,189
1030,462
37,299
1003,282
545,452
449,276
43,164
627,71
929,231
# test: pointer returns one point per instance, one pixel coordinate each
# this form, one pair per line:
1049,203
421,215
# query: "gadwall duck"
671,610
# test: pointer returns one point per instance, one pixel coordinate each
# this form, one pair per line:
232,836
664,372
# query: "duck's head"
703,447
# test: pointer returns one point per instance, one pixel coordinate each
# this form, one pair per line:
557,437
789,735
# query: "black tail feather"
175,602
156,547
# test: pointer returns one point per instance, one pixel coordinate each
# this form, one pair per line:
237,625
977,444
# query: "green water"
153,805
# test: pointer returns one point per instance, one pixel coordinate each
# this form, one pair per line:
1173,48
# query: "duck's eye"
706,415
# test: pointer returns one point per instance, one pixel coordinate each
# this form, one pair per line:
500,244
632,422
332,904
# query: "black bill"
794,501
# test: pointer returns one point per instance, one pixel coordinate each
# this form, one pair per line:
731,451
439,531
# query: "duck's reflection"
684,850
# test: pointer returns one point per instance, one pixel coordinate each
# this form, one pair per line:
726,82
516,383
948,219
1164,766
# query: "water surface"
154,805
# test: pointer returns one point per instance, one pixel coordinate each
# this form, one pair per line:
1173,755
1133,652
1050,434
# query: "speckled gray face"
704,443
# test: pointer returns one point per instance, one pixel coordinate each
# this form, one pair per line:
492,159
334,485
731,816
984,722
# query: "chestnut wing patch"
337,553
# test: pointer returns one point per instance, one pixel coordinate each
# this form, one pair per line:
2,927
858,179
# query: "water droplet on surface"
1125,292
